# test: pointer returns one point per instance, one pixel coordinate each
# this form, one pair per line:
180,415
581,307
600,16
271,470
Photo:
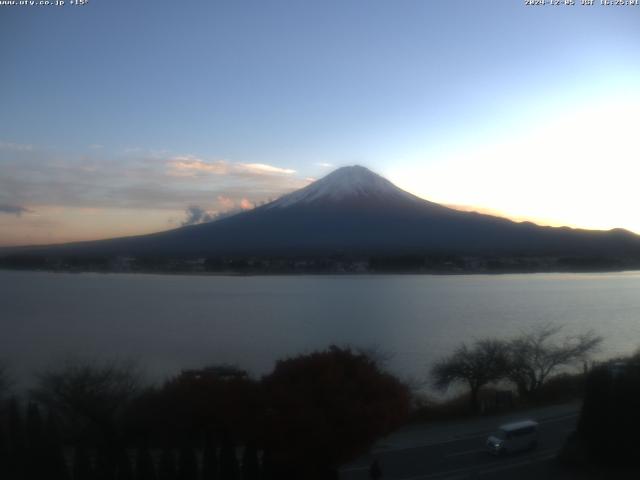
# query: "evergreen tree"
210,467
375,472
123,465
331,474
167,467
34,427
54,451
228,460
104,465
187,464
82,464
145,468
55,463
250,464
16,444
36,448
266,466
4,453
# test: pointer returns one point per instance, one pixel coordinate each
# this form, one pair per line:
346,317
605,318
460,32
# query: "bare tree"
536,354
89,395
482,363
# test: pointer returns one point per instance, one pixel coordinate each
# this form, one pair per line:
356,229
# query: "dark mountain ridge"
357,212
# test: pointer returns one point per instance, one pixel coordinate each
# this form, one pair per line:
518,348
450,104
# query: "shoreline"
325,274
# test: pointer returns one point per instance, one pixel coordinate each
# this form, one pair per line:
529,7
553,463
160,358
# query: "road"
461,455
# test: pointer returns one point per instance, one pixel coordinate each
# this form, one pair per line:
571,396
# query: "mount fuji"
355,211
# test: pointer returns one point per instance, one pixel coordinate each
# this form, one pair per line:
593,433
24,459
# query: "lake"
170,322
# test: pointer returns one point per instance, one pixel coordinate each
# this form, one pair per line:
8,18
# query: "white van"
513,437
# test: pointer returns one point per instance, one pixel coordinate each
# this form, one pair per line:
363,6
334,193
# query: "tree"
5,382
167,468
609,418
187,463
55,462
4,451
337,402
105,465
482,363
34,427
210,470
250,463
267,468
36,467
124,471
145,468
375,472
17,448
89,396
81,464
199,402
228,460
534,356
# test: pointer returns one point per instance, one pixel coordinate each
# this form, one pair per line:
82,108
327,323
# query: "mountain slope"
353,210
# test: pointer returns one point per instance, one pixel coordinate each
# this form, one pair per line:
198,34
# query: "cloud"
225,202
245,204
138,180
185,166
189,165
263,169
195,215
324,164
15,146
119,187
16,210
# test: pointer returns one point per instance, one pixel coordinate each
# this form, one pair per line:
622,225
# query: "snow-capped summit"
346,183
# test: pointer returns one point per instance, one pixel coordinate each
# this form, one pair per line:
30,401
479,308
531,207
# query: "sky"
121,117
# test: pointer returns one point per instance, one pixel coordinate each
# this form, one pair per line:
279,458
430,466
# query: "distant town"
331,264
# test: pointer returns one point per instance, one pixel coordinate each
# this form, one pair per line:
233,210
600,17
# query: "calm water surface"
171,322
